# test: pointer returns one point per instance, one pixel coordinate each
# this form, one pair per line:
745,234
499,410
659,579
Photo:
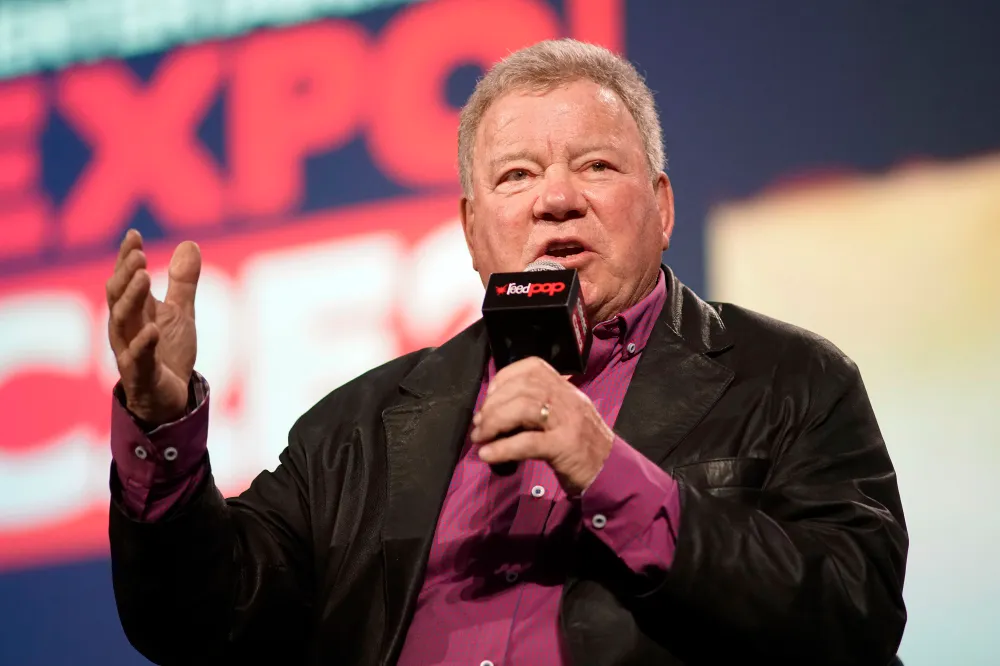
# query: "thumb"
182,276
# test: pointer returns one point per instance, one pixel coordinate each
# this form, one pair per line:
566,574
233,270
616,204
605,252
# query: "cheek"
514,219
503,236
631,225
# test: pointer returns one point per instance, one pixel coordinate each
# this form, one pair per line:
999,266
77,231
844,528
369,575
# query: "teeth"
565,246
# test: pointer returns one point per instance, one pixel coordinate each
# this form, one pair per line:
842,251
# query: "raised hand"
154,342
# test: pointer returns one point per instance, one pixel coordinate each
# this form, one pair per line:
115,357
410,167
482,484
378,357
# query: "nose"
559,199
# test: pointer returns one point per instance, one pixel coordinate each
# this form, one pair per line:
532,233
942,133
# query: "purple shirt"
160,469
493,581
494,576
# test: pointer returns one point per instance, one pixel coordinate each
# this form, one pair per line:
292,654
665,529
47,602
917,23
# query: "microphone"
537,312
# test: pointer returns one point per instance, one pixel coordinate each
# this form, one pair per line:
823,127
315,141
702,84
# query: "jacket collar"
677,380
697,323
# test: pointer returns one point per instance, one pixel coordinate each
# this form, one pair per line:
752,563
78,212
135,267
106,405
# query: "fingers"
533,366
515,398
183,274
140,355
527,445
127,312
518,411
502,391
132,241
124,270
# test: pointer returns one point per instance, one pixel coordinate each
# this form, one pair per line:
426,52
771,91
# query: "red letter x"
144,145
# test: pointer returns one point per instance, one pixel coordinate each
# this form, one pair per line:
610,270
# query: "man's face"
563,175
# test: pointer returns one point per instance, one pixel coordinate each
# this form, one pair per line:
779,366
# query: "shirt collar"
625,335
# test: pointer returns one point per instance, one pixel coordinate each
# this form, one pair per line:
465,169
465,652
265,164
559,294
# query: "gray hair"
547,65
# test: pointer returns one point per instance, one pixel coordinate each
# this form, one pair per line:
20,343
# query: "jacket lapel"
674,386
424,435
676,382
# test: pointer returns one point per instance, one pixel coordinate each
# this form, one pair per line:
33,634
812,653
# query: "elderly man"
713,489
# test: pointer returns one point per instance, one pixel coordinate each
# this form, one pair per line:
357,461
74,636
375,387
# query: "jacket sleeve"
814,572
219,580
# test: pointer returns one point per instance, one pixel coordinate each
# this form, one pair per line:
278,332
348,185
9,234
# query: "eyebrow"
527,154
585,146
514,155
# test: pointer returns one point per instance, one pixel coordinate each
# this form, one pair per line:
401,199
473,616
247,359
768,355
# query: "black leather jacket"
791,549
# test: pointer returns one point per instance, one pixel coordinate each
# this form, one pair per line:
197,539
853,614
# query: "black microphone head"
538,312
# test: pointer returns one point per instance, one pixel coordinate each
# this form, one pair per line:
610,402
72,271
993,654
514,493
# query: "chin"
592,298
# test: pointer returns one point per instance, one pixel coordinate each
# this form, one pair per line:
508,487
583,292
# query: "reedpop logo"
532,288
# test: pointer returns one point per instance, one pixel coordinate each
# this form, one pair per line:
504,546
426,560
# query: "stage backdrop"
836,165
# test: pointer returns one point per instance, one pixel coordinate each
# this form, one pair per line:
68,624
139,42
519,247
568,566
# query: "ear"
665,205
468,217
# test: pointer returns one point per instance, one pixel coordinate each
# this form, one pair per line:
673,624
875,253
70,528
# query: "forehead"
581,109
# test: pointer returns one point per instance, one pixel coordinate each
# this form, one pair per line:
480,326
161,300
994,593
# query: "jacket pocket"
739,479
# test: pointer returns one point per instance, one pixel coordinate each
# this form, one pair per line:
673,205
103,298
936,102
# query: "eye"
599,166
515,174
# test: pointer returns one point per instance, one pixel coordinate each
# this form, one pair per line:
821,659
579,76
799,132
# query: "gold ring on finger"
544,414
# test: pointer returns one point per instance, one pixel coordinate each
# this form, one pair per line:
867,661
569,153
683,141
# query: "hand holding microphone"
538,332
532,413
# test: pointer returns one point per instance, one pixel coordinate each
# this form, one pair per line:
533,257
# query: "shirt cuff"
165,454
633,506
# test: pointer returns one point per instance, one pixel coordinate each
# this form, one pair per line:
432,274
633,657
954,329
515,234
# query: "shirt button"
631,348
511,576
486,662
170,454
538,491
598,521
140,452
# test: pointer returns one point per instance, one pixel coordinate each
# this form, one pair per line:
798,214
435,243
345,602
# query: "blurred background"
836,165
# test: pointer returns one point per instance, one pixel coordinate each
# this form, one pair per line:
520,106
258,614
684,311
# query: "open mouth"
564,249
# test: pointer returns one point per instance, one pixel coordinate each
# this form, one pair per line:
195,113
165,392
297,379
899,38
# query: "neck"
642,289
